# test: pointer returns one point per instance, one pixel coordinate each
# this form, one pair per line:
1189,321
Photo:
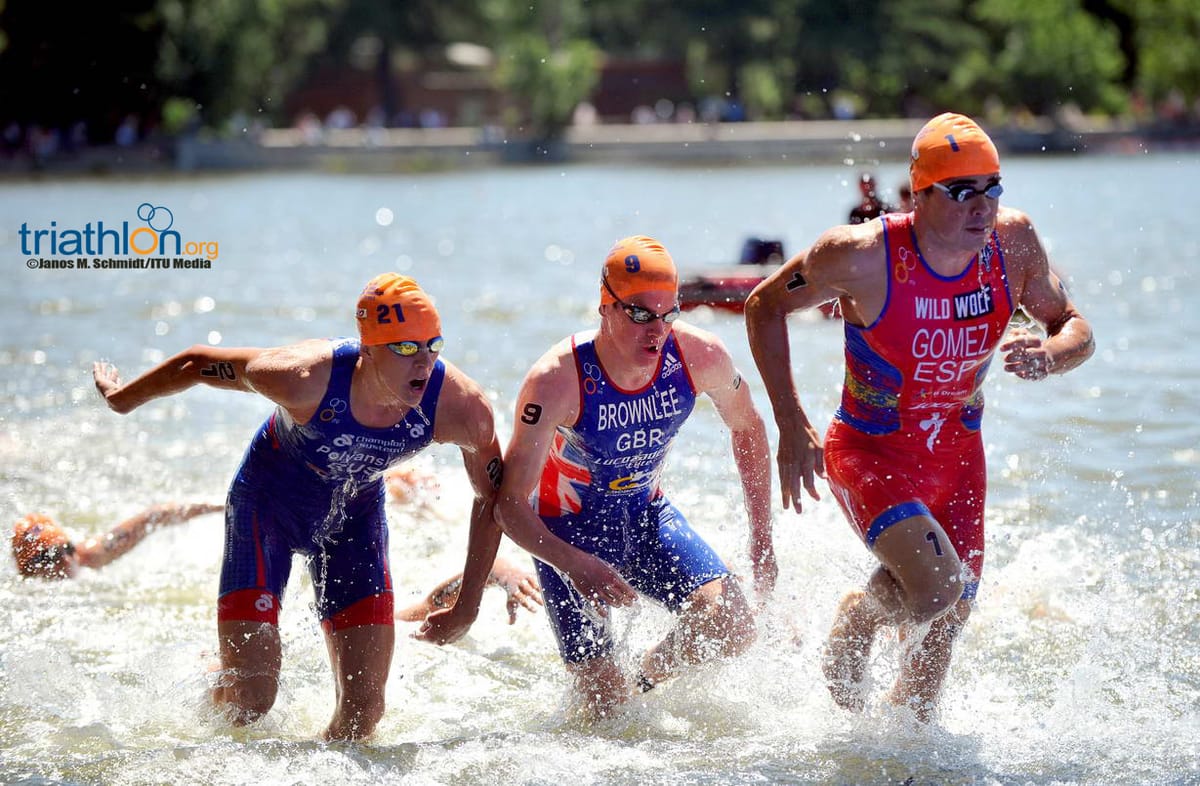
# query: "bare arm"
290,376
847,263
99,550
520,589
793,287
549,398
1069,341
712,368
466,420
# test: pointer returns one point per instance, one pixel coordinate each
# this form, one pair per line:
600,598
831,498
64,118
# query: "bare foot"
846,654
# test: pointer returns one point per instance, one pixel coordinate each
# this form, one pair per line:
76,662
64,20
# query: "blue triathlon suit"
599,491
316,489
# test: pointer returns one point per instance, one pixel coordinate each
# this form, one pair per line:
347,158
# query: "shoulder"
1014,225
696,339
552,384
556,367
294,375
301,359
840,251
1019,240
708,360
465,414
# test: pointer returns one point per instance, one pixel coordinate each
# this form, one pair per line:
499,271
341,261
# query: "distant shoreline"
364,151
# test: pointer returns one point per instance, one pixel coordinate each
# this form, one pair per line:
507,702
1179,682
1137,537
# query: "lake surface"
1079,665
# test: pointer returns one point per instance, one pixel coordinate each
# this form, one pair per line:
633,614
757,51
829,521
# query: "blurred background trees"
92,71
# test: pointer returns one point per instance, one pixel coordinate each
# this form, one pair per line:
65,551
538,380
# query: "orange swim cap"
951,146
394,308
638,264
38,545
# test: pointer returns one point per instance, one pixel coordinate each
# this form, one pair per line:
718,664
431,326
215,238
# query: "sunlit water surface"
1078,666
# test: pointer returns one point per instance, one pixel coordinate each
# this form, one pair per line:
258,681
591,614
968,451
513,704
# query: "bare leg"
250,660
600,685
361,658
716,622
927,662
858,619
918,581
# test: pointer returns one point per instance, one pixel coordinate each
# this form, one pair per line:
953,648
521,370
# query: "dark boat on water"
728,287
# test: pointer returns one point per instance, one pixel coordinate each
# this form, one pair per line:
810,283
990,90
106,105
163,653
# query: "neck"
943,255
373,399
629,367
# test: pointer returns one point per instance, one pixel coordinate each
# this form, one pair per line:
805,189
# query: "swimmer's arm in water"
293,376
520,588
99,550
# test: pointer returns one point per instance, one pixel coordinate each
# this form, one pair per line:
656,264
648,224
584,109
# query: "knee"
730,622
368,715
935,603
356,717
245,700
600,685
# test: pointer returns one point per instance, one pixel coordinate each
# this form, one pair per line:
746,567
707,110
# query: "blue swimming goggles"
407,349
965,193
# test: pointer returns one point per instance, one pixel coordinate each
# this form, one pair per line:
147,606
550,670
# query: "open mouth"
417,384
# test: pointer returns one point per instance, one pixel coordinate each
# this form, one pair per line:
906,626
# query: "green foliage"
1047,54
1166,35
205,61
544,62
548,83
922,59
179,115
237,56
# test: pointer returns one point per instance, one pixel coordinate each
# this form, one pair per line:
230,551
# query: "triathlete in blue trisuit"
595,418
311,483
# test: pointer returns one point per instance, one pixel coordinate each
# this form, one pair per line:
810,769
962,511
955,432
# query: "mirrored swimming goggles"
407,349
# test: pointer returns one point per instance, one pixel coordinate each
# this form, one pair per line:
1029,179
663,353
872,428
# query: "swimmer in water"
42,549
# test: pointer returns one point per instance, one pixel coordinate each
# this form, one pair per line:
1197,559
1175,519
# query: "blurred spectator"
127,132
584,115
870,205
340,118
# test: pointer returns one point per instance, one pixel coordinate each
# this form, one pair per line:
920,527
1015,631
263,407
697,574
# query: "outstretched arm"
99,550
520,589
197,365
290,376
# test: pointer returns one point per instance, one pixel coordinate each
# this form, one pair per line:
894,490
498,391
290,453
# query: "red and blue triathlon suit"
599,491
316,489
906,440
